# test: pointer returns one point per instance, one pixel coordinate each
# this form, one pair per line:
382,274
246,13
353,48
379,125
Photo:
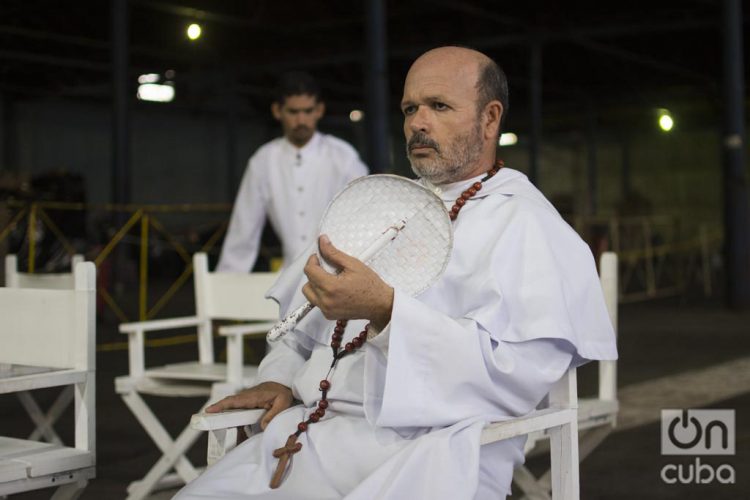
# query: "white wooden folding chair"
48,339
557,423
44,422
597,416
218,296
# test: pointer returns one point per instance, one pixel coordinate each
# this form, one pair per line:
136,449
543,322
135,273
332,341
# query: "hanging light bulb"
194,31
666,122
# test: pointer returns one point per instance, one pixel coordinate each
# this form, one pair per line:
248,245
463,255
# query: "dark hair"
492,85
296,83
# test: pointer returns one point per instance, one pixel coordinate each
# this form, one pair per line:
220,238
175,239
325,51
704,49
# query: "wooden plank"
41,380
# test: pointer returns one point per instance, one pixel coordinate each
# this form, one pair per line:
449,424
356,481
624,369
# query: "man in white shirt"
399,415
290,180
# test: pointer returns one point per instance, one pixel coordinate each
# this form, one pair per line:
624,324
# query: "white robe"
292,186
518,304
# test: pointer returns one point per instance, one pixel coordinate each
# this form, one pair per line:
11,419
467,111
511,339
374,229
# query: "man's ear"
276,110
493,114
320,109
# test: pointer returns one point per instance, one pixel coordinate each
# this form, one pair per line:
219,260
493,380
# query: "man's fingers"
239,401
333,255
309,292
276,407
224,404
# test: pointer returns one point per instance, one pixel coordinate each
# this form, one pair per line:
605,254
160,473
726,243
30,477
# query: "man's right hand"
272,396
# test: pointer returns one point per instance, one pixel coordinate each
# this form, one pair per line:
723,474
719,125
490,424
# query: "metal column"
736,211
120,112
4,163
535,107
376,88
592,177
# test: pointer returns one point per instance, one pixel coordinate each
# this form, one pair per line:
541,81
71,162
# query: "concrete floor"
673,355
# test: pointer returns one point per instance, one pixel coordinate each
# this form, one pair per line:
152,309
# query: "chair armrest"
224,420
246,328
222,429
538,420
160,324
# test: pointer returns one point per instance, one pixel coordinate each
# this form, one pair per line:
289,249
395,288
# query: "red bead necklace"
461,200
292,446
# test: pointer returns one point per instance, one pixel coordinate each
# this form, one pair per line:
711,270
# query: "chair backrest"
234,296
50,328
608,276
49,281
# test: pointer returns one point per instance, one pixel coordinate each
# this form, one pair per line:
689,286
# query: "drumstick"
287,324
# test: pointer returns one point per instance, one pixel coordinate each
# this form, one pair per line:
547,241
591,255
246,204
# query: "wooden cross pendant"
284,454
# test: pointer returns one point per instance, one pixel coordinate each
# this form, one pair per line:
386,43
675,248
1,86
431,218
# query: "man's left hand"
356,292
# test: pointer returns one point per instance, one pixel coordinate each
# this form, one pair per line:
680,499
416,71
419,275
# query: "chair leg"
172,451
529,485
591,438
70,491
44,422
564,458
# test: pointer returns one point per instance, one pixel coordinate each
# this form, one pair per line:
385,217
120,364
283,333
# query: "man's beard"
451,164
300,134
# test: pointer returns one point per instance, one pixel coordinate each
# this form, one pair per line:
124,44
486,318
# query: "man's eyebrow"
297,110
428,99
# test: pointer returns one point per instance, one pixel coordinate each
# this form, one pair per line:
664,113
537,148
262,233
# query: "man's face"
299,115
443,132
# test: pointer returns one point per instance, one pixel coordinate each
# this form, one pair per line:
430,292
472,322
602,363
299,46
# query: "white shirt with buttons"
292,186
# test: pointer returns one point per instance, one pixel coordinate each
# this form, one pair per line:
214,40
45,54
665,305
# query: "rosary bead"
325,385
477,186
471,191
319,413
338,336
357,342
349,347
452,215
336,344
465,195
338,329
363,335
323,404
460,202
455,209
314,417
302,426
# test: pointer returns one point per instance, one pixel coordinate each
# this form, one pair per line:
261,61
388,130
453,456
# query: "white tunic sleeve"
429,370
242,241
281,363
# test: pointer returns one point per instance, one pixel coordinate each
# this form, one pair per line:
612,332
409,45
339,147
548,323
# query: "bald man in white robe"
518,303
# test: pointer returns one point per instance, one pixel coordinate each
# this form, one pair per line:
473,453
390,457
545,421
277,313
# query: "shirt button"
303,237
300,189
302,214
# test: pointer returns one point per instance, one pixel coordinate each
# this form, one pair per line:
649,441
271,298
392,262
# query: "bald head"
490,80
451,117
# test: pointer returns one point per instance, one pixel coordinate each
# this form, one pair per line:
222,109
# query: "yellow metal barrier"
643,259
36,214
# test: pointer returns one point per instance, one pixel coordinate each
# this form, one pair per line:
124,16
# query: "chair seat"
191,370
11,470
15,378
189,379
39,459
595,412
